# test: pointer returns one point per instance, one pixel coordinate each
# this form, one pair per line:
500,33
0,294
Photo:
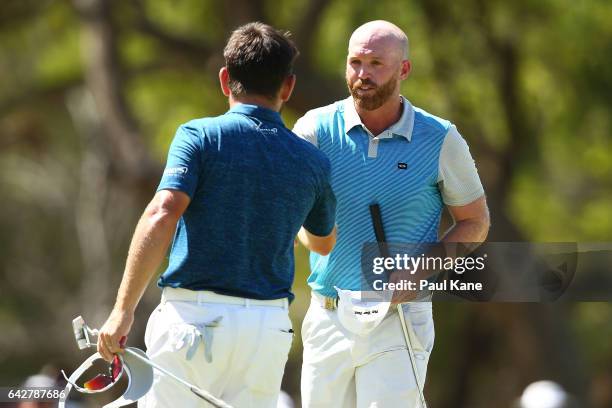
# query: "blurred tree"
92,91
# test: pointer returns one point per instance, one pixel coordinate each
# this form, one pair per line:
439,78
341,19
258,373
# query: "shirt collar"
403,127
257,111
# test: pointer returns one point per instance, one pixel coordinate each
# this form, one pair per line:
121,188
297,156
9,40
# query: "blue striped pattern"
410,200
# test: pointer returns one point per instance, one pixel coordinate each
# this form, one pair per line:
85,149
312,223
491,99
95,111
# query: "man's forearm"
314,243
147,250
460,240
467,231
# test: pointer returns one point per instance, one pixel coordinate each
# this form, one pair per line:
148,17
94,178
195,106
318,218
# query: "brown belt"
326,302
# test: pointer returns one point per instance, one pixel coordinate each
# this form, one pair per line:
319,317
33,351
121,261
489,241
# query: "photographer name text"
424,284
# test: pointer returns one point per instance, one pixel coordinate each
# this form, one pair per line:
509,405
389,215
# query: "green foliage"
191,18
553,126
166,98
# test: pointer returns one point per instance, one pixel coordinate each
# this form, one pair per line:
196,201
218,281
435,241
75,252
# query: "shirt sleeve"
184,161
458,178
306,128
322,217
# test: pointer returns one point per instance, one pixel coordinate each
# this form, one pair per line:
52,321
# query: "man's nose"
363,72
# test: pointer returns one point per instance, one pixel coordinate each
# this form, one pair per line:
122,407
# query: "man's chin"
366,103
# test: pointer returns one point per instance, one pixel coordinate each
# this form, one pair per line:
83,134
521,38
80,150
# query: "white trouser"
232,347
341,369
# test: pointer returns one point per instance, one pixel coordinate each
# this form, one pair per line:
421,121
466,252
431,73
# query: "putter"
400,312
379,232
84,334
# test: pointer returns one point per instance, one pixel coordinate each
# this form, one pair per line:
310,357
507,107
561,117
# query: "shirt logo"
175,171
259,124
402,166
271,130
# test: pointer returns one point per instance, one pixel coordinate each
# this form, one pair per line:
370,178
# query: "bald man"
413,164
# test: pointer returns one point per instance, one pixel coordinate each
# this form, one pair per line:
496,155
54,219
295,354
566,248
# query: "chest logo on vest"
402,166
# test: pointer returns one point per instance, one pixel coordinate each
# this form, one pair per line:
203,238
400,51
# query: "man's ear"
406,68
287,88
224,81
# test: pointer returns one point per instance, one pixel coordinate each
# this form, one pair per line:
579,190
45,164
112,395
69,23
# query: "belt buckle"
330,303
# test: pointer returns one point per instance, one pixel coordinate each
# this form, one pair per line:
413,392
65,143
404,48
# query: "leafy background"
92,91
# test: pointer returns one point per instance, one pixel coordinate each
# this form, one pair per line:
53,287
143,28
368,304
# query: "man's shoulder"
312,152
430,122
211,128
208,122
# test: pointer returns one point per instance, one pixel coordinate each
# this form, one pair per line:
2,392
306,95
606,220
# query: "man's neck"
376,121
262,101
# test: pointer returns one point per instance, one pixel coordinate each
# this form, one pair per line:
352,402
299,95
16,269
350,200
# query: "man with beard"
413,164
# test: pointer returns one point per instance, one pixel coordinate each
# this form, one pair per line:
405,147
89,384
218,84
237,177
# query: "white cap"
40,381
544,394
360,316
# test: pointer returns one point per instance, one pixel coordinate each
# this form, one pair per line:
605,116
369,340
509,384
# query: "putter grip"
379,230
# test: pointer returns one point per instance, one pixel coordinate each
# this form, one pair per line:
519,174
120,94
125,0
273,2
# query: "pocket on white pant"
423,327
266,372
150,334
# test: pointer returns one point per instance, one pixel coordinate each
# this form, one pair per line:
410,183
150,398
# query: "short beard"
381,94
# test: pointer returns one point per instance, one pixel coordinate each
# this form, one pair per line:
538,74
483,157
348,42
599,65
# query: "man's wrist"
122,307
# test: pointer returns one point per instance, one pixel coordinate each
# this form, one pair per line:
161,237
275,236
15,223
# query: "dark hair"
258,58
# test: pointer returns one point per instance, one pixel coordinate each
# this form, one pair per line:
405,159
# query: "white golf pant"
232,347
341,369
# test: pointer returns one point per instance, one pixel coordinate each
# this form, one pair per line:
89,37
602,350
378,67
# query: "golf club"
379,232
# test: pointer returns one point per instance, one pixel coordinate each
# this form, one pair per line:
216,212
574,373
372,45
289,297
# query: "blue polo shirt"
411,169
252,183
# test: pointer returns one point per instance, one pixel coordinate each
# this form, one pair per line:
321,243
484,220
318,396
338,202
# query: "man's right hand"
404,295
113,333
148,248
